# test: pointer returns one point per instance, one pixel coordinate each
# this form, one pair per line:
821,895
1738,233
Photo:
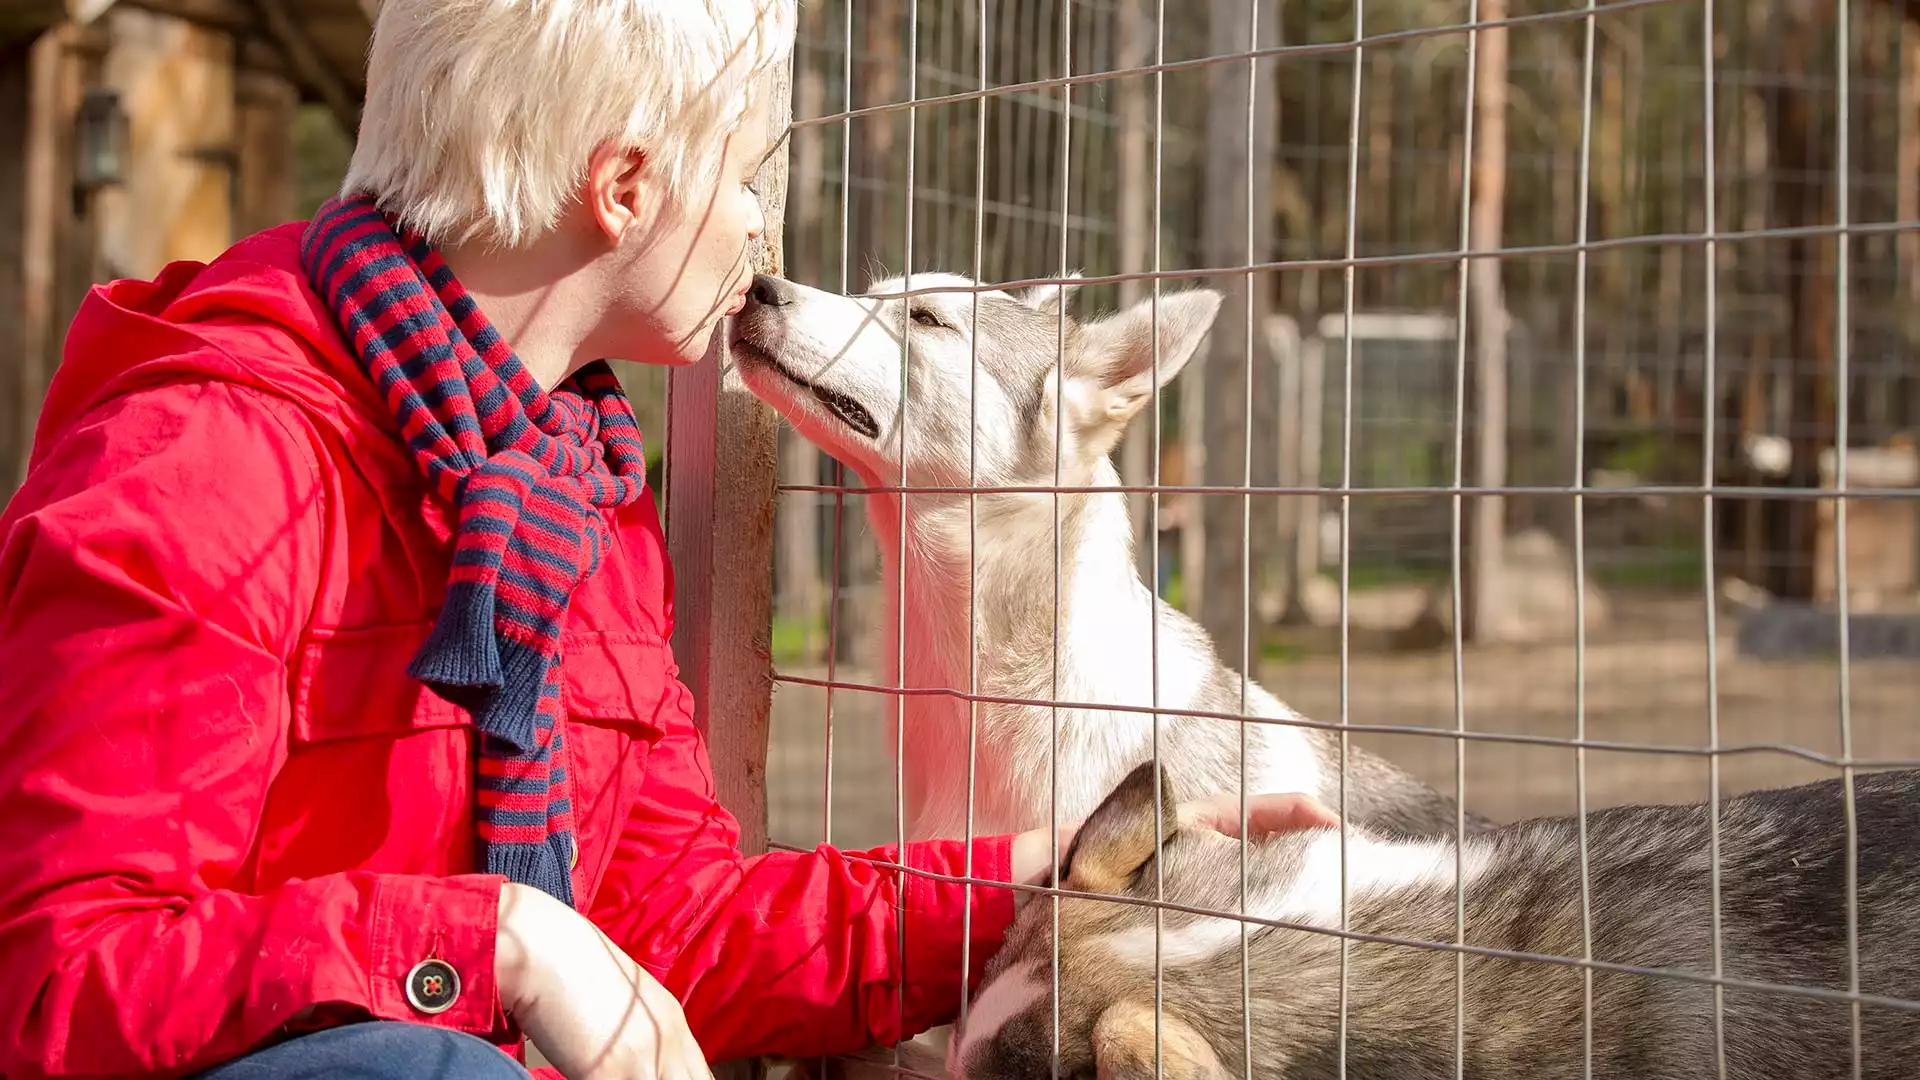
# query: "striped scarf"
529,472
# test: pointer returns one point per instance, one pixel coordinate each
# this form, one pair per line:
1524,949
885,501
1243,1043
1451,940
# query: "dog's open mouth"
850,412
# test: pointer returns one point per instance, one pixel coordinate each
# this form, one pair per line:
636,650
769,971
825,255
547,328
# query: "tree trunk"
876,236
802,588
1803,160
1907,173
1135,96
1481,613
1233,422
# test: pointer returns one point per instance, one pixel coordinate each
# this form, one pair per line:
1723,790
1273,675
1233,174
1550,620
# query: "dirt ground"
1646,683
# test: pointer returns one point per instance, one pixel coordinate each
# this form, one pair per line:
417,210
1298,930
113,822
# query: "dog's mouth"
848,411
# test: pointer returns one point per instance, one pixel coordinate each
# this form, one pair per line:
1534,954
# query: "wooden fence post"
720,484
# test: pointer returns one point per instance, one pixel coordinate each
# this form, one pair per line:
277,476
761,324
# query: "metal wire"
903,516
1711,294
1514,738
1366,262
1247,630
1468,114
1811,993
1346,500
1274,52
973,511
1067,105
1580,542
1059,451
1843,395
1629,491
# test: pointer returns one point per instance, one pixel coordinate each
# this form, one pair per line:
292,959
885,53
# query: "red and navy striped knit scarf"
530,473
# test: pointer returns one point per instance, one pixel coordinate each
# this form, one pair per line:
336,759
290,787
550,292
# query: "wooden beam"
304,58
23,20
16,143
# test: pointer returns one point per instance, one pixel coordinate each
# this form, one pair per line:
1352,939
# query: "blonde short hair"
481,115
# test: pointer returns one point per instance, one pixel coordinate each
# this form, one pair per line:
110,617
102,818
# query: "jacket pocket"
615,678
354,684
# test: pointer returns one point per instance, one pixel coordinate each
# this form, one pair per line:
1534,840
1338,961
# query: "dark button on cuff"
433,986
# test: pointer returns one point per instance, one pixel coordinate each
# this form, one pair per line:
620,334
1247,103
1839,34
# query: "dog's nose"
771,291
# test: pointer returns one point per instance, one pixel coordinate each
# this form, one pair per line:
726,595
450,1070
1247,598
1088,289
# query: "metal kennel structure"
1627,283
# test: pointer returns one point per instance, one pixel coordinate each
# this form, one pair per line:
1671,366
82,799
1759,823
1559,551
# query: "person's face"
681,265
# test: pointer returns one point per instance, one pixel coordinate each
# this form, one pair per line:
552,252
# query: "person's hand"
1267,815
591,1010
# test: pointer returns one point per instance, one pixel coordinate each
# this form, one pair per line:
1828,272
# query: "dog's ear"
1048,298
1123,1047
1120,835
1118,351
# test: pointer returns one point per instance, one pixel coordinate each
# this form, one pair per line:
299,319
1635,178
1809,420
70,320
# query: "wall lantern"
100,151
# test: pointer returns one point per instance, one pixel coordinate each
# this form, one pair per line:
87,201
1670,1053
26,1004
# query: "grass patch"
797,641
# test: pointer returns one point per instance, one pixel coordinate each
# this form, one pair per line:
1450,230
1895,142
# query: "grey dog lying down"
1784,922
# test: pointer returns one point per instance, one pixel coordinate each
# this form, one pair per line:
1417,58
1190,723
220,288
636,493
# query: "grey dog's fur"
1783,910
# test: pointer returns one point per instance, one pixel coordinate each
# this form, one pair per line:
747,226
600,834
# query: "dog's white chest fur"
1104,655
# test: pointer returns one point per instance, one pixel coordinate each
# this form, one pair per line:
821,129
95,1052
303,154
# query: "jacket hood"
247,317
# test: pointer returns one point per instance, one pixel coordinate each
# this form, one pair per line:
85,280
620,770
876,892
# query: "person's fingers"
1267,815
1270,814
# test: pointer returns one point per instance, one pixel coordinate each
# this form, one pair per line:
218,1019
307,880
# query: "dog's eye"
926,317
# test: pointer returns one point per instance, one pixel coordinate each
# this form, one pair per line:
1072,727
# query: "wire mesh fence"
1554,440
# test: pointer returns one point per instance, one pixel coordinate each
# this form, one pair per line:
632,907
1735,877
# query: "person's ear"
616,192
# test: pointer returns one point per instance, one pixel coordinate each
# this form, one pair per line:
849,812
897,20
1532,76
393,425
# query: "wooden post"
46,250
720,498
16,102
16,136
176,79
264,185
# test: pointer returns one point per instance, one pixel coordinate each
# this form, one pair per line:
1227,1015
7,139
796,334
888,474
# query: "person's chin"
697,345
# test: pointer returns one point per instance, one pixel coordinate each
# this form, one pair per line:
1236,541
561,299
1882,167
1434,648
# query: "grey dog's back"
1783,910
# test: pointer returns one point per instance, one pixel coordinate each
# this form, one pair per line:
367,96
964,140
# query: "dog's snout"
771,291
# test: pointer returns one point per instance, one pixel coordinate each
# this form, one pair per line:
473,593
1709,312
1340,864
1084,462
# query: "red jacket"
226,812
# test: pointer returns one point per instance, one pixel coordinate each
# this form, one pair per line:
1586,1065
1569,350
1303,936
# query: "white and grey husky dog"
1783,912
831,364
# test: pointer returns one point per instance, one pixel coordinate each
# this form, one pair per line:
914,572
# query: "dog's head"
855,373
1133,844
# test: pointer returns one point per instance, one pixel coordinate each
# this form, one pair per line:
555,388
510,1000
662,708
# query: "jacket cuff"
453,920
935,926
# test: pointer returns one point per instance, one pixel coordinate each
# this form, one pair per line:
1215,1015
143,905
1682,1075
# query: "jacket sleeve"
794,954
155,573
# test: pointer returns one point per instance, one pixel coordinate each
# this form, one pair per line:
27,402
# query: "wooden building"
137,132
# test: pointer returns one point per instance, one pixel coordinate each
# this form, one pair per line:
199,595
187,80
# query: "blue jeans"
380,1050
